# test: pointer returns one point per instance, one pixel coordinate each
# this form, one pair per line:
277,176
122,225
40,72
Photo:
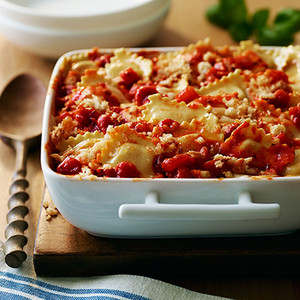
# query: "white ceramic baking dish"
140,208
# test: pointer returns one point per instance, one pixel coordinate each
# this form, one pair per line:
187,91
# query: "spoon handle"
16,224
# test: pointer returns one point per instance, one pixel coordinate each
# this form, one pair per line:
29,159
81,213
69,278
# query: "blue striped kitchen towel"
23,283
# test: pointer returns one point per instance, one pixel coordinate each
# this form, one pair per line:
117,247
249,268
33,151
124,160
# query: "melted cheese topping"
80,141
230,84
160,108
124,59
122,144
256,137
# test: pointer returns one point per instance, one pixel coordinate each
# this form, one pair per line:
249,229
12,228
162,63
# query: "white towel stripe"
58,292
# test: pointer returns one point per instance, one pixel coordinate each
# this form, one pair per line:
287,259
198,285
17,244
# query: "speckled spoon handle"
16,224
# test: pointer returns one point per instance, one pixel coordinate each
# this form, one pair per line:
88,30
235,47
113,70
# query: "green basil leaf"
240,31
277,36
260,18
234,10
215,16
290,17
233,16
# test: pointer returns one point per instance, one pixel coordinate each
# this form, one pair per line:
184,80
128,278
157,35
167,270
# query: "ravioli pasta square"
201,111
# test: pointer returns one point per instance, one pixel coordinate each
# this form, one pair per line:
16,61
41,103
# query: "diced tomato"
127,170
69,166
239,62
214,101
103,122
216,73
249,60
274,158
72,78
142,93
116,109
100,58
296,143
231,146
107,95
295,115
168,126
276,75
109,172
107,119
212,168
187,95
103,60
184,173
82,117
129,77
227,129
283,138
141,126
281,99
87,118
157,161
197,55
178,161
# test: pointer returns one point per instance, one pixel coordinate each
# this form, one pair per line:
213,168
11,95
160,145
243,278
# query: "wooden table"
185,24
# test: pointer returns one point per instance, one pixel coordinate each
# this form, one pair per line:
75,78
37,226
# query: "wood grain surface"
185,24
63,250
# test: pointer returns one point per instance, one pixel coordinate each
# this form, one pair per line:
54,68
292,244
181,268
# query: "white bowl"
52,28
125,207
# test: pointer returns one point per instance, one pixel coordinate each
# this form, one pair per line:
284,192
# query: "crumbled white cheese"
114,115
107,166
205,174
230,112
167,138
209,56
199,140
219,163
109,129
277,129
203,67
95,102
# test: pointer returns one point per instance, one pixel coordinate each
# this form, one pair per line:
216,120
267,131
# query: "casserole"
218,197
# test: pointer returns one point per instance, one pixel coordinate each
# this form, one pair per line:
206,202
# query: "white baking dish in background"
148,208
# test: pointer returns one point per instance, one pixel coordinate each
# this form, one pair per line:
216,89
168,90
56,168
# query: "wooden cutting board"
63,250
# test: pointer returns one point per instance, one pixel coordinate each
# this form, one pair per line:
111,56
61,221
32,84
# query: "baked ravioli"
196,112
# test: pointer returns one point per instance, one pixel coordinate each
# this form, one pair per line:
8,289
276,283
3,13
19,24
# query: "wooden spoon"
21,110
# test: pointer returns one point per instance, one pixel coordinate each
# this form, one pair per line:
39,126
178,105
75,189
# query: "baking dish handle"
245,209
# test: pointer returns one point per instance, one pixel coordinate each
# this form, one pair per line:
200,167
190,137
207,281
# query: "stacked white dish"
51,28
